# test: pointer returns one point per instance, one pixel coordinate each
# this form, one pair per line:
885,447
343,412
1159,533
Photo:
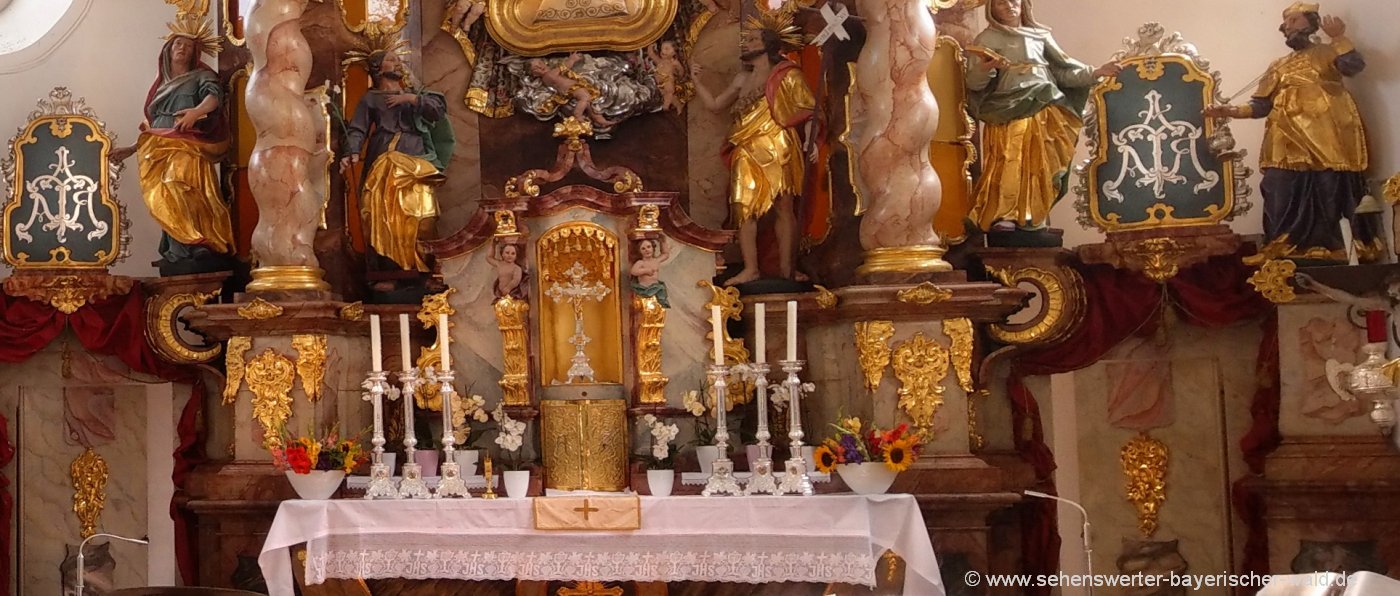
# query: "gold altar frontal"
584,444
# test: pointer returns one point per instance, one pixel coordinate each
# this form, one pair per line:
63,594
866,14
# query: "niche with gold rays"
579,304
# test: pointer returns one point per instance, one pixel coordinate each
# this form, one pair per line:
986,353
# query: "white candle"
792,330
404,343
374,343
718,333
760,326
1347,243
444,340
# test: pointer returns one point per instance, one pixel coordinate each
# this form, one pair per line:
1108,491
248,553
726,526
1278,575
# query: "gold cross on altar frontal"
605,514
586,588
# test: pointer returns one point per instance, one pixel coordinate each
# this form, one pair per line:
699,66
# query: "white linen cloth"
822,539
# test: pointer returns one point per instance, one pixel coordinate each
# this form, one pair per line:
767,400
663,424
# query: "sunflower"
899,455
826,459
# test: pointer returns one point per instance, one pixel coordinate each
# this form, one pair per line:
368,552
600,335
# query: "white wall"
109,58
1240,38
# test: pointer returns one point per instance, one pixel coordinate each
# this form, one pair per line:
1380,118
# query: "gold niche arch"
594,250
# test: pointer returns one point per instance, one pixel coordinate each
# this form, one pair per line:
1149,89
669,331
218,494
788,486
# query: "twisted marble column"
280,171
898,116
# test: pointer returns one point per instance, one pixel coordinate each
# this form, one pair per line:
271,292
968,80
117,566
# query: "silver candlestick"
451,484
762,480
412,486
796,479
722,470
380,485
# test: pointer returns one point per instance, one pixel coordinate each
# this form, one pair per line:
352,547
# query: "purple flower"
850,451
323,460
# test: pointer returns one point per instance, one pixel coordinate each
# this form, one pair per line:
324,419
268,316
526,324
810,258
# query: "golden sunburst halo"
194,27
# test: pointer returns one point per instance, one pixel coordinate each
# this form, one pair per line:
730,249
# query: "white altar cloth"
822,539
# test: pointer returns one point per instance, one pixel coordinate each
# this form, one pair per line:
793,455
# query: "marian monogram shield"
1152,163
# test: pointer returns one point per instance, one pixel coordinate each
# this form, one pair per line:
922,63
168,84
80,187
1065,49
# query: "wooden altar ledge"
828,539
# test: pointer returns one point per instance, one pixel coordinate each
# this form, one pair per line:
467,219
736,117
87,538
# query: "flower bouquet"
868,458
510,436
661,475
316,465
705,451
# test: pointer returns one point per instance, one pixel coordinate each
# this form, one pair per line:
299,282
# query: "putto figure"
183,135
1030,96
767,162
646,271
407,142
1314,155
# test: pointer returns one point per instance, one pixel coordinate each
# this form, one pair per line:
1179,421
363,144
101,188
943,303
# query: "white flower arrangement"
662,435
510,435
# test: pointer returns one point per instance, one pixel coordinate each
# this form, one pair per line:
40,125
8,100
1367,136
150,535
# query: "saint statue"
407,141
184,134
646,271
765,151
1030,96
1314,155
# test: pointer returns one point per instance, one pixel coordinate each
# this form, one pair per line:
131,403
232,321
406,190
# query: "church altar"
821,539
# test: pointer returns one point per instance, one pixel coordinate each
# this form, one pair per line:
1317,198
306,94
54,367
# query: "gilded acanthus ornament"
1145,468
511,315
434,305
163,317
1272,280
355,311
584,444
1061,304
959,332
270,377
1158,256
924,293
651,321
89,475
825,297
727,299
920,364
238,347
259,309
873,350
648,220
1391,190
311,363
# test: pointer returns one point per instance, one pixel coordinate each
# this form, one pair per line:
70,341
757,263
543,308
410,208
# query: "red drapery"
1119,305
116,327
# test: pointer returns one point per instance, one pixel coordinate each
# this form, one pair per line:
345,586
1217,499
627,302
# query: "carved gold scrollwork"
355,311
1060,304
825,298
238,346
270,377
920,364
311,363
89,474
1158,256
1391,190
584,444
651,321
648,220
959,332
162,319
924,293
975,440
1271,280
873,350
511,315
1145,468
429,394
727,299
259,309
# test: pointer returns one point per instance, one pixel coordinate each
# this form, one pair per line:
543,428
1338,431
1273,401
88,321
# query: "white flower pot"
869,478
466,461
427,459
517,483
660,482
317,484
390,460
706,455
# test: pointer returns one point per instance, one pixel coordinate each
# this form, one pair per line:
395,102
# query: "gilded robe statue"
763,149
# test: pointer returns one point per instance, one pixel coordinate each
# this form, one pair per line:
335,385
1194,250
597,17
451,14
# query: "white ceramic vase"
466,461
869,478
316,484
660,482
517,483
706,455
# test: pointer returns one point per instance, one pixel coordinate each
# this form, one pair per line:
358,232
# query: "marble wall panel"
446,71
717,51
1309,334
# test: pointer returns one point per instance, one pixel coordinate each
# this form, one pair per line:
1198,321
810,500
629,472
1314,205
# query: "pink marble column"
896,116
289,204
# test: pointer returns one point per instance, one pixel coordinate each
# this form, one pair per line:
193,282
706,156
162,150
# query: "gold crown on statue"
1301,8
189,23
780,23
376,40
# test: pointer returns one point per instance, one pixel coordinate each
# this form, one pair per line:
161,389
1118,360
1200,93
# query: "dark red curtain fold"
1118,304
116,327
1263,437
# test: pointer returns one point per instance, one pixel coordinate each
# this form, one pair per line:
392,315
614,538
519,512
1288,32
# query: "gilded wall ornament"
648,220
730,308
511,315
1272,280
959,332
429,393
162,317
825,298
270,377
1159,257
873,350
924,293
311,363
975,440
66,293
89,475
355,311
1061,303
238,347
1145,470
1391,190
259,309
651,321
434,305
920,364
584,444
